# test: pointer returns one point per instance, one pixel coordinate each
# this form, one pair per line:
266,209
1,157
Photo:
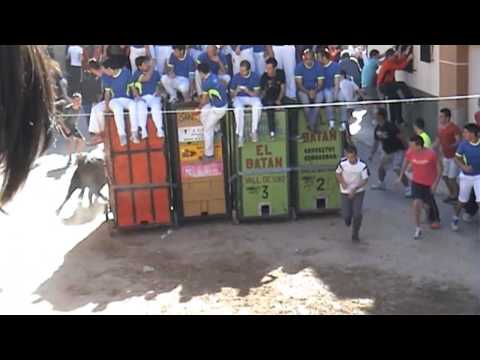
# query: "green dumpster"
315,157
261,173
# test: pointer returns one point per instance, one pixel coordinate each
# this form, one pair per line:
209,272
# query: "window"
426,53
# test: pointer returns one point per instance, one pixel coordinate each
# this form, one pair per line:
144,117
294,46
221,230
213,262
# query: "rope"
321,105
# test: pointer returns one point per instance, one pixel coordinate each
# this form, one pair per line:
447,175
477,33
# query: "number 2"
321,182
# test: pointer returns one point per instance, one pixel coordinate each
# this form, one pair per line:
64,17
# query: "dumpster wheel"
235,219
293,214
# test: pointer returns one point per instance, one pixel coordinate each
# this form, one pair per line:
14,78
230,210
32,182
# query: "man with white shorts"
240,53
217,63
161,54
116,82
259,56
244,89
136,51
287,59
213,107
448,139
180,74
468,159
393,146
145,91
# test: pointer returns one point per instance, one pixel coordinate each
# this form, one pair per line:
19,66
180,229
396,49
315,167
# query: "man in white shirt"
352,175
74,57
348,91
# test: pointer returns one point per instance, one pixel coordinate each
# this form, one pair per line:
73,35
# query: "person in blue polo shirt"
145,82
244,89
217,63
196,50
180,74
213,106
331,83
467,158
240,53
116,82
309,77
259,56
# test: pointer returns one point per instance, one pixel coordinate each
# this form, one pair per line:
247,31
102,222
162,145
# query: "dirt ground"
310,266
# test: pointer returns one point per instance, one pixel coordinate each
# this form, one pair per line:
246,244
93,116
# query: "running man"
448,139
393,146
352,175
419,129
467,158
426,174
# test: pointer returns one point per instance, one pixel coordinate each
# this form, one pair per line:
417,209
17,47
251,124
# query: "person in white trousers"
259,55
217,63
213,106
331,83
161,54
116,84
240,53
180,74
136,51
286,59
145,91
244,88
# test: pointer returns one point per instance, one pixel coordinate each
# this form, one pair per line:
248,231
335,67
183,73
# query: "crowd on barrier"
139,78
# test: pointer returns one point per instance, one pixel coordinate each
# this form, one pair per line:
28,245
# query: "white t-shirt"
348,90
353,174
75,53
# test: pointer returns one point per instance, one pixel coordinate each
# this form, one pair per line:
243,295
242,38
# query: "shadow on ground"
102,270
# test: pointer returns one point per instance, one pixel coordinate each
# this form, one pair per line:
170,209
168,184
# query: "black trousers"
424,193
391,90
74,77
292,114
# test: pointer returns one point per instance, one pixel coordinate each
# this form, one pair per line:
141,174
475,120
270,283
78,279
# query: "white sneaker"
467,218
379,186
272,134
123,140
254,137
240,142
331,125
418,234
408,192
134,139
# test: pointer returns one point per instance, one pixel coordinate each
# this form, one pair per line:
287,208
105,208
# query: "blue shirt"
217,93
309,76
252,82
258,48
214,67
182,67
242,47
148,87
331,71
369,73
471,156
118,85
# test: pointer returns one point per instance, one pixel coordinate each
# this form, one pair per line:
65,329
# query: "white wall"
426,75
473,78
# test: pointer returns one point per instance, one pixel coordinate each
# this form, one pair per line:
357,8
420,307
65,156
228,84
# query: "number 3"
265,192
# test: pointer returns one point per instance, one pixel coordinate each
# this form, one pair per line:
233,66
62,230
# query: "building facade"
451,70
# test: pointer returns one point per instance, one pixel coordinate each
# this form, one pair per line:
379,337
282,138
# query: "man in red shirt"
426,173
387,84
449,136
